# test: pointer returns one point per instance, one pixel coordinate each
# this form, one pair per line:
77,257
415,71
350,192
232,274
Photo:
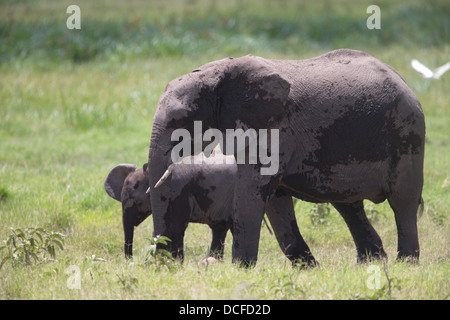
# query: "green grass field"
74,103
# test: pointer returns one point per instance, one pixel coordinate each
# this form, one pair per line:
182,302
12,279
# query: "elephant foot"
303,260
244,263
369,255
128,248
303,264
409,258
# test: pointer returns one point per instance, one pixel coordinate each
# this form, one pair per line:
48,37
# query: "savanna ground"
74,103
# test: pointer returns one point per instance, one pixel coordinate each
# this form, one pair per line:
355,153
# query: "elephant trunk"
160,161
128,222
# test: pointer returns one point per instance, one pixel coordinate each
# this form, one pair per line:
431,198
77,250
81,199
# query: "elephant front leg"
250,194
219,232
247,219
280,211
176,220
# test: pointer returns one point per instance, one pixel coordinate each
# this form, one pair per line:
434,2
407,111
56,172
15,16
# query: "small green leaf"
8,257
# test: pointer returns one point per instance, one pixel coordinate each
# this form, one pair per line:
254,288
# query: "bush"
26,246
319,214
158,256
4,194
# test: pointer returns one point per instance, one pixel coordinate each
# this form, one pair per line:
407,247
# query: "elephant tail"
267,225
421,208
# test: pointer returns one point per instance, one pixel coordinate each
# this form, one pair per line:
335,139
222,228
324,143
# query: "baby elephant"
203,192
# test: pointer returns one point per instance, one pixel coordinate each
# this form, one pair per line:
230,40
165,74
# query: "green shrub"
30,245
319,214
4,194
156,256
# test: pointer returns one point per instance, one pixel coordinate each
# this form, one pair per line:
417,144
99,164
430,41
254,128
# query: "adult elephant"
349,129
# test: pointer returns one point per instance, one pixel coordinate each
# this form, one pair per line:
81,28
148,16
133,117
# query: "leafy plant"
373,214
319,214
29,245
4,194
158,256
286,287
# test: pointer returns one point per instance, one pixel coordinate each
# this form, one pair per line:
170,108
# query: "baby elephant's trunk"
128,228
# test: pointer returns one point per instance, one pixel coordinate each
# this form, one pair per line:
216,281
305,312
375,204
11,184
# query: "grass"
74,104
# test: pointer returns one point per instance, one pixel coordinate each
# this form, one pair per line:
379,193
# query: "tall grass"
73,104
191,27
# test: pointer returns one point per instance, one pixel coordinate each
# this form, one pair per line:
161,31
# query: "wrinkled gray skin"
350,129
201,193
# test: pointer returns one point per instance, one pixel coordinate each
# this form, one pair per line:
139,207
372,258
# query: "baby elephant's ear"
115,179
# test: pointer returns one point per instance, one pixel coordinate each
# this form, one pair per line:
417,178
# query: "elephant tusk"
148,190
165,175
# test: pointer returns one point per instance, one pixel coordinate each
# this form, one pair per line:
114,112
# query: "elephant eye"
136,185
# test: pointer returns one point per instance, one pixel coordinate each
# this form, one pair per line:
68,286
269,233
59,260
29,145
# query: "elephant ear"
251,94
115,179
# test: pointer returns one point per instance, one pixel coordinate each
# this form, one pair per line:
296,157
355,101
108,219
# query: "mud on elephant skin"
201,193
349,126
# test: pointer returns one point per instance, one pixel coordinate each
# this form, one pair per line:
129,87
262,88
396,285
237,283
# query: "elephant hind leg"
406,206
405,199
406,220
368,242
